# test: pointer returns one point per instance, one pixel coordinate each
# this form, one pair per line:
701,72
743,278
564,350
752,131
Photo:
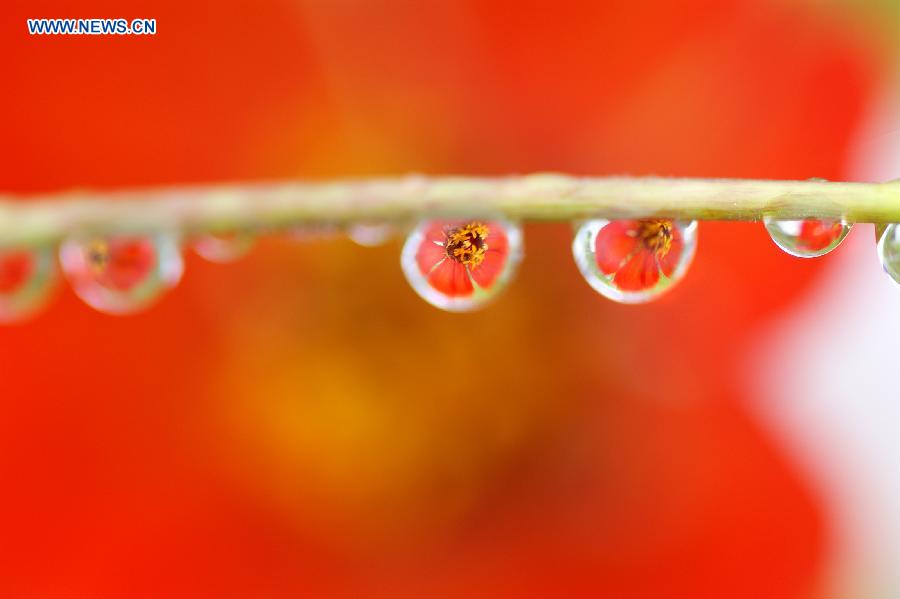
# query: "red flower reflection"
454,255
636,251
16,268
120,264
816,235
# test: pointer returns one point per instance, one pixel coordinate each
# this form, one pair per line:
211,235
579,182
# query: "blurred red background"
293,425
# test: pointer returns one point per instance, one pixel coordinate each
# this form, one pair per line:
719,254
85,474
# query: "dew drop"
889,251
27,275
223,247
634,261
807,238
122,274
460,265
313,232
370,234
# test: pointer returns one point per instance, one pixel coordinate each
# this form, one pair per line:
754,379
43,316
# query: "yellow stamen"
98,255
466,244
656,235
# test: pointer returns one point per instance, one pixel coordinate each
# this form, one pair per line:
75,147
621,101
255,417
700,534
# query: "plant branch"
541,197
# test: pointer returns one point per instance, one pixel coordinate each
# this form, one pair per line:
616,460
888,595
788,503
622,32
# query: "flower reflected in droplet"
458,265
634,252
122,274
634,261
808,238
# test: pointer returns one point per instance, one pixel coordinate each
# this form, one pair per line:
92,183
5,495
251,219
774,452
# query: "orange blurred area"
299,423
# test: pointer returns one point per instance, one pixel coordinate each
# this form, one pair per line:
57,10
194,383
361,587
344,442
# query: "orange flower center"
466,244
656,236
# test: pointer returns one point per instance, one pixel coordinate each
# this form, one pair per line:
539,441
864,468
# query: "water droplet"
122,274
807,238
313,232
370,234
460,265
889,251
223,247
27,275
634,261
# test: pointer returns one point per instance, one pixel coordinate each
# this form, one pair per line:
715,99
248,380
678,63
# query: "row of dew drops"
455,265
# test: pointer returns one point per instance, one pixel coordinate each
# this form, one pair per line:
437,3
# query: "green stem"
540,197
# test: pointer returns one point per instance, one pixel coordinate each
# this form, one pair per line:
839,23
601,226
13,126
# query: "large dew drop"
122,274
223,247
807,238
634,261
27,275
461,265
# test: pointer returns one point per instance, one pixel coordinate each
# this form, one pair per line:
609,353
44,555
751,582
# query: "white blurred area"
825,381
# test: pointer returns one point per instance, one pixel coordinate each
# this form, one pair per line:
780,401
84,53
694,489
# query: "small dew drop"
27,275
223,247
314,232
889,251
122,274
634,261
461,265
370,234
809,238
